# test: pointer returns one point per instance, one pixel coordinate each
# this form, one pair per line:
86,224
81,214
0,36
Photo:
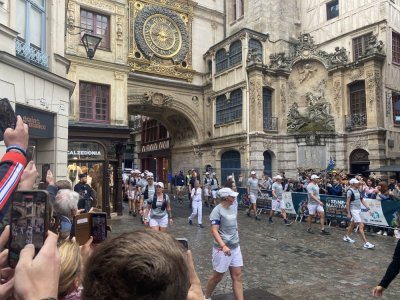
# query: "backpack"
154,203
352,197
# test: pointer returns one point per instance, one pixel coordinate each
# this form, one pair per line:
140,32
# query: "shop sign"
156,146
40,123
85,150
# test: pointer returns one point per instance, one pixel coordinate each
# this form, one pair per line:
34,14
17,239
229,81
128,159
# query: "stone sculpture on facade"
254,57
374,46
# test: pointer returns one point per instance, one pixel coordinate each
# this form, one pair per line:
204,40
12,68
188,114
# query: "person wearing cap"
277,202
207,189
214,188
148,193
252,191
160,209
86,194
131,190
353,208
315,204
197,205
226,254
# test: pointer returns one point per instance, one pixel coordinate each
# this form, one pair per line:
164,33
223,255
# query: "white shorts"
312,208
355,215
163,222
206,192
253,198
222,262
214,194
278,205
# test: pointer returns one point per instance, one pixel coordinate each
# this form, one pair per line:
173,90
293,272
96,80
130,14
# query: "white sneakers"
379,232
368,245
346,238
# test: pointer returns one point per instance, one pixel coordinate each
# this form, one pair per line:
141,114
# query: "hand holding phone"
7,117
184,242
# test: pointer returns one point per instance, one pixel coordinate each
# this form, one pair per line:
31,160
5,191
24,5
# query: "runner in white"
315,205
353,208
226,254
252,191
278,204
197,205
207,189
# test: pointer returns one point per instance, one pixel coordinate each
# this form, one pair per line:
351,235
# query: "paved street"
286,262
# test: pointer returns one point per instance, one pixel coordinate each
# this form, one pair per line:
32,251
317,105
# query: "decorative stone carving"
339,57
374,46
355,72
197,151
306,70
279,61
195,100
254,57
283,97
242,148
358,142
119,27
156,99
374,88
99,4
267,144
256,95
317,117
337,95
119,75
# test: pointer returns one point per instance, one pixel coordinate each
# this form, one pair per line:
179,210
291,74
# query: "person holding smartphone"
160,209
13,162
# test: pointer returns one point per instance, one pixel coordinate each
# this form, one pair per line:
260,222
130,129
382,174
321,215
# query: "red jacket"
11,168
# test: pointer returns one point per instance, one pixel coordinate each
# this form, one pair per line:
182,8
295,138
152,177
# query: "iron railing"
31,54
270,124
356,121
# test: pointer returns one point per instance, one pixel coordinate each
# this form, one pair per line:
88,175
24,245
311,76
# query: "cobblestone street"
286,262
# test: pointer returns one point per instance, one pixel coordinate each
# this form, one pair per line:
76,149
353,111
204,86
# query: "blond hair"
70,266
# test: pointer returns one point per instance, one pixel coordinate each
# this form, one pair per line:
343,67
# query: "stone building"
98,119
270,85
33,77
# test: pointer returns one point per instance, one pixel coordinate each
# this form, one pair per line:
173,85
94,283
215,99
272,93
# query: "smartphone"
54,224
29,222
184,242
30,153
90,224
99,227
8,119
82,228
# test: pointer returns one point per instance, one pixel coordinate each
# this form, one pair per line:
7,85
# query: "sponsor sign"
287,198
375,215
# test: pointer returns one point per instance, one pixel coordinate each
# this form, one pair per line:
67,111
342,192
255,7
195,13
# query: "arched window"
257,46
267,163
235,53
228,111
221,60
358,105
359,162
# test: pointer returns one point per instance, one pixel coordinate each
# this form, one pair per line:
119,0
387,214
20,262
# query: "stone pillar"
337,108
119,150
373,94
255,101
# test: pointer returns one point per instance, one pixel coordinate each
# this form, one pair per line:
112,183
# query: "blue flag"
331,165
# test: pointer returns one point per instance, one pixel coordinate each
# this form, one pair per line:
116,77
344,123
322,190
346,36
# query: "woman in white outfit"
160,209
197,205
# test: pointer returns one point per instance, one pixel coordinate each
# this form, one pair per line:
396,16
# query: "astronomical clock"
161,37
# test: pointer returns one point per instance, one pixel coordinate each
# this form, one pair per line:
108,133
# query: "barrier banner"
375,215
287,198
335,207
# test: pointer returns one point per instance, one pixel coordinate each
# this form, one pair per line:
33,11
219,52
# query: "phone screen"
99,227
7,117
184,242
28,222
82,228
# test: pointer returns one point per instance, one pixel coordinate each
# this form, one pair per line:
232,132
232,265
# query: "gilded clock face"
162,35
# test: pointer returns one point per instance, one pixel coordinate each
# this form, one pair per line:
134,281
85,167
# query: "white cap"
160,184
353,181
137,171
213,173
225,192
314,177
142,175
207,173
150,175
278,177
253,172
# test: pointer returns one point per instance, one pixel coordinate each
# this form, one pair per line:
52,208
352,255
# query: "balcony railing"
31,54
270,124
356,121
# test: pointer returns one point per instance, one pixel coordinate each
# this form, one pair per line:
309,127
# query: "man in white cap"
207,189
252,191
315,205
277,202
353,208
147,193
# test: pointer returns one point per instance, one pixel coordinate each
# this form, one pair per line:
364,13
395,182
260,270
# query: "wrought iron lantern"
90,42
